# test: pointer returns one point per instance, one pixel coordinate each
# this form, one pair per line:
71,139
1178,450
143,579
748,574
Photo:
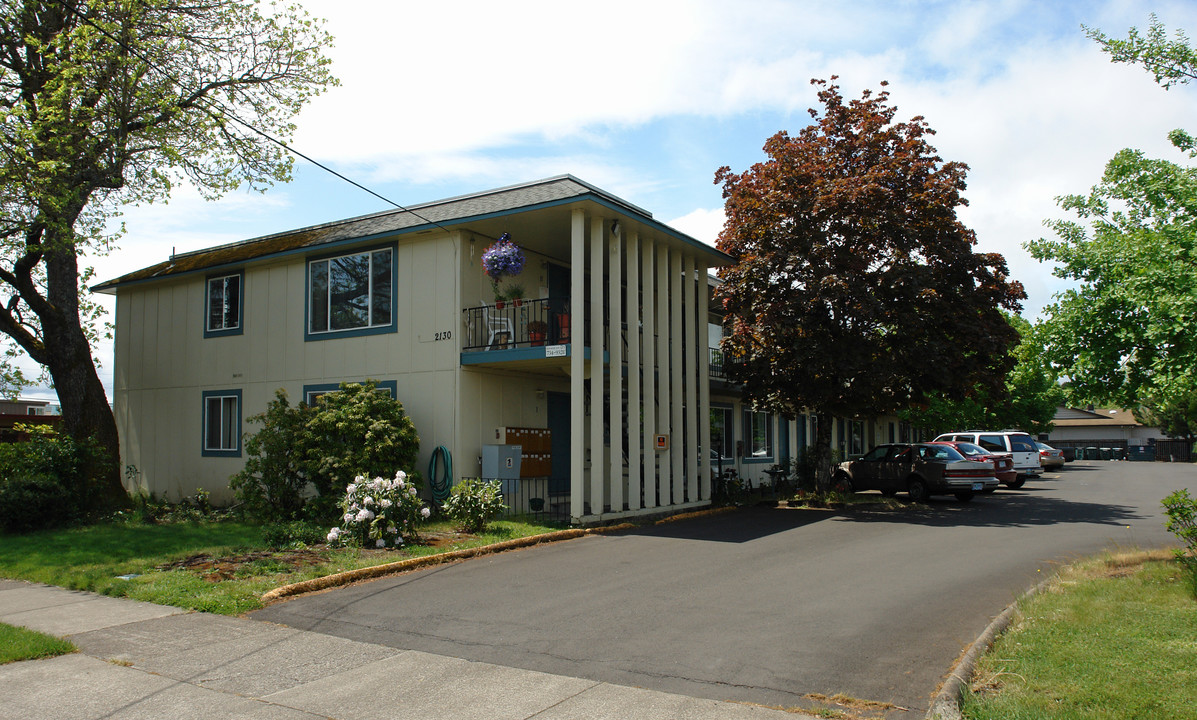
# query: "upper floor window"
352,294
223,305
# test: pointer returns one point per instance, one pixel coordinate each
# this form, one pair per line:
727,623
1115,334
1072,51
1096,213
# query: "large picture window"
351,293
758,435
223,305
222,423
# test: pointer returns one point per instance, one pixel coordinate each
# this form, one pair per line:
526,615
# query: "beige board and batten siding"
165,363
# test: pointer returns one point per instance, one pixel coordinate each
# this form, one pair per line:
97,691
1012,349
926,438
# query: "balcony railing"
716,364
516,323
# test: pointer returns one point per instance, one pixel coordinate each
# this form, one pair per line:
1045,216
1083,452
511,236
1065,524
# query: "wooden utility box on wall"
537,448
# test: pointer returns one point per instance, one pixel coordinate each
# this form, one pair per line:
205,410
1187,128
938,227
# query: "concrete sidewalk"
139,660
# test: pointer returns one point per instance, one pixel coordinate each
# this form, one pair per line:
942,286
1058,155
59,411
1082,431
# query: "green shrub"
270,488
357,431
46,481
35,501
474,503
1182,522
297,533
297,464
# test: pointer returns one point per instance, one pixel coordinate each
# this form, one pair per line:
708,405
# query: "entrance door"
558,418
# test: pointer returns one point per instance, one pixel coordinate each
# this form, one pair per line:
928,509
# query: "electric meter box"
501,462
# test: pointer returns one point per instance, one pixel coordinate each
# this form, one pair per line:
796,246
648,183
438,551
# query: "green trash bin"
1105,453
1091,453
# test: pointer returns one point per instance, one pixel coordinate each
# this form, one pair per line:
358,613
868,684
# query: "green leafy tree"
1175,415
856,290
1028,401
1127,331
1171,61
105,102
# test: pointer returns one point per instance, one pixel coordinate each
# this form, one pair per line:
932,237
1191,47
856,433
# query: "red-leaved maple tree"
856,291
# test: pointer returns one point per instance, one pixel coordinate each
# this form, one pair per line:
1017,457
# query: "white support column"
615,343
690,296
649,298
598,451
664,377
676,390
632,310
704,387
577,403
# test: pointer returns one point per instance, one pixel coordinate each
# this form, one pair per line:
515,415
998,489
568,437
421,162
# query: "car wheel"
1016,482
916,488
841,483
964,496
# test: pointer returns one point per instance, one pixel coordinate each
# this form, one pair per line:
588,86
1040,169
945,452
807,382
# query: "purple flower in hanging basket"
504,257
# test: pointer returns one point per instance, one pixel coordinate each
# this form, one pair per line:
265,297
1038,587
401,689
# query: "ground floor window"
222,423
758,435
313,393
722,433
856,438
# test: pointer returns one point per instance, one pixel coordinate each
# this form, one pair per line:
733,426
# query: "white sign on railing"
555,351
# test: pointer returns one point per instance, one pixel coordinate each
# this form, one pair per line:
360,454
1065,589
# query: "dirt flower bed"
259,562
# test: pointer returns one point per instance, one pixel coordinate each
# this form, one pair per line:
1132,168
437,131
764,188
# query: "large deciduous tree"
1128,331
856,290
104,102
1027,402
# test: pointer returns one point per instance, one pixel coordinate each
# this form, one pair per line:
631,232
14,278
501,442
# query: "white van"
1018,445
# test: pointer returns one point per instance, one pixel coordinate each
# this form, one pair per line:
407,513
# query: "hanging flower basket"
503,257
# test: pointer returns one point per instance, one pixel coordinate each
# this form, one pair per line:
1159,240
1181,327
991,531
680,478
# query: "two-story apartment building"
614,304
204,339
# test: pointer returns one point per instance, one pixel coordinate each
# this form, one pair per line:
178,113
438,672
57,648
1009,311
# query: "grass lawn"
18,643
220,567
1112,638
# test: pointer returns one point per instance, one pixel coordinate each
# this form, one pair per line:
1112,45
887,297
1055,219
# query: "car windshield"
939,452
1044,446
969,450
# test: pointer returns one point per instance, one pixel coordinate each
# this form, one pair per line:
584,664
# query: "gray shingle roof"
438,213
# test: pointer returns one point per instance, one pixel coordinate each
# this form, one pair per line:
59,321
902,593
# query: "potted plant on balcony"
536,331
503,257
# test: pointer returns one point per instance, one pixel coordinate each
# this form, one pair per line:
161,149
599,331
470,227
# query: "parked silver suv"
1018,445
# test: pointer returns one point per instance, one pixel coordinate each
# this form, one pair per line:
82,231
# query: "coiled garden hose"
440,486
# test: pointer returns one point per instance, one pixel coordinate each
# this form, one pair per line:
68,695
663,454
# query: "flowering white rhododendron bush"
379,513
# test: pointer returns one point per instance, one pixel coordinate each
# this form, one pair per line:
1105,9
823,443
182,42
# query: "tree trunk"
85,410
823,453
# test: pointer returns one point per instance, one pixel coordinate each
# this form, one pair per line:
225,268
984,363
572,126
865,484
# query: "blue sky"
647,99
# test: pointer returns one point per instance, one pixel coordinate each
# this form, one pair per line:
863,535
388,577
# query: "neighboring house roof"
441,213
1097,417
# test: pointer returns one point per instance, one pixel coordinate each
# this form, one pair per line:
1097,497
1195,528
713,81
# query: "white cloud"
703,224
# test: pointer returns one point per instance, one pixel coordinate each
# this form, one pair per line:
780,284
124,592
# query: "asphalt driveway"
762,605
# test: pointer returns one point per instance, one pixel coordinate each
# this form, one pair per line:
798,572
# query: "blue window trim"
240,275
391,385
746,431
309,336
205,395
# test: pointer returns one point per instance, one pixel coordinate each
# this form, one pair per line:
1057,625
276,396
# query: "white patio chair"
496,324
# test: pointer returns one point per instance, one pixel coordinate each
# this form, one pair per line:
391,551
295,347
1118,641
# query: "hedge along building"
614,304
